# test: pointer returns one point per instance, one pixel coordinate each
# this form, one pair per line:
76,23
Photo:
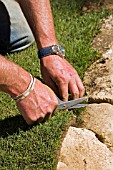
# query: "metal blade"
78,106
66,105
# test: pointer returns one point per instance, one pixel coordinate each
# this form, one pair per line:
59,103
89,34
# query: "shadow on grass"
12,125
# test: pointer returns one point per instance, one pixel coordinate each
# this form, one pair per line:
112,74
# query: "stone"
81,150
99,119
98,79
89,145
104,40
62,166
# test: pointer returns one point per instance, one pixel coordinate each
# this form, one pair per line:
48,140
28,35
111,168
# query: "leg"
15,33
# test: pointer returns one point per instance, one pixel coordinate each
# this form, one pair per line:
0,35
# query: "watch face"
55,49
63,51
58,49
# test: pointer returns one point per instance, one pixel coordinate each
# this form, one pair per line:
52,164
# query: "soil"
103,41
97,4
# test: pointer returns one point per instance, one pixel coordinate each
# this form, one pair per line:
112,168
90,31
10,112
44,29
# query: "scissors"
72,104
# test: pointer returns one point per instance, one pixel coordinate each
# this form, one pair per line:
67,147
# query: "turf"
24,147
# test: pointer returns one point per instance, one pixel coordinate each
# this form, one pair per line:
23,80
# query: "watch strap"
55,49
45,52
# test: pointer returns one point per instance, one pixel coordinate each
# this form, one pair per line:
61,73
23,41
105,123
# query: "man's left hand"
60,76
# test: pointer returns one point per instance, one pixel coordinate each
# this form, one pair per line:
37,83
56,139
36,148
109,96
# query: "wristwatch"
55,49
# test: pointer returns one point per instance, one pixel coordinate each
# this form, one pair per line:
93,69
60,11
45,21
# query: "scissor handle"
50,89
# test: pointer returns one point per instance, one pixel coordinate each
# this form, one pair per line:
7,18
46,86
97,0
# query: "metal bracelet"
27,92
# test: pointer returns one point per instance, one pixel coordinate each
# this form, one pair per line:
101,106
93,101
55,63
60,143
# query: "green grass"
24,147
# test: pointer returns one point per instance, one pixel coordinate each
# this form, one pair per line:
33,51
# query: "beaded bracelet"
27,92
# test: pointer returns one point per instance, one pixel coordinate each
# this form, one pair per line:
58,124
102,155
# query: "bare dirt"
103,41
97,4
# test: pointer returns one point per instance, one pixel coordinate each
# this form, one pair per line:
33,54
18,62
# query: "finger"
48,115
80,86
50,110
73,89
63,91
54,101
49,82
40,120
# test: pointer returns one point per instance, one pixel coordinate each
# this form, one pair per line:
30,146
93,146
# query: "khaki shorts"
15,33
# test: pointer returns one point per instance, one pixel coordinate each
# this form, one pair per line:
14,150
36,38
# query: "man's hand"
61,77
57,72
39,104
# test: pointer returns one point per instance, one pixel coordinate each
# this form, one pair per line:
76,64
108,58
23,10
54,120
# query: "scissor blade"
66,105
78,106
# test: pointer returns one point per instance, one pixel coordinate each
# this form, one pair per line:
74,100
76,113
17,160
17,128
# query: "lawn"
24,147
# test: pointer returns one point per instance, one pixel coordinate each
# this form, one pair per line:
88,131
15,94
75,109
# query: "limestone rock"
62,166
104,40
99,119
98,79
81,150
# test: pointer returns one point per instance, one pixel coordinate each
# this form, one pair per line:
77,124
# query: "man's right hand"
40,103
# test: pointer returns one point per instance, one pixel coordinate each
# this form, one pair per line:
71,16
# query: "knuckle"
76,91
81,88
31,120
49,110
42,115
62,79
75,94
65,96
52,107
36,116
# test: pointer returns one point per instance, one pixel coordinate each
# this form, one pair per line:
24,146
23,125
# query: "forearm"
13,79
39,16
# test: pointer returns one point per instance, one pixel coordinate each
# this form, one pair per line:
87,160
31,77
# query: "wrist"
17,85
55,49
27,91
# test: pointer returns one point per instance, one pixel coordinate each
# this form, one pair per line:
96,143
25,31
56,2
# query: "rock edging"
89,146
